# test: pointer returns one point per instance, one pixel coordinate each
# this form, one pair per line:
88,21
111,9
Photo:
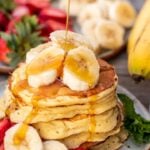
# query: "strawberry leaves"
27,35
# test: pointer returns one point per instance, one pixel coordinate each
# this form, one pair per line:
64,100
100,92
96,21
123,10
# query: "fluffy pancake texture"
60,113
69,116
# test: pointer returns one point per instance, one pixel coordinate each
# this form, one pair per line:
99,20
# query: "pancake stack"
75,117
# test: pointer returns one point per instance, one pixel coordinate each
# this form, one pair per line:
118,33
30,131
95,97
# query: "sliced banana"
73,40
123,13
90,11
87,29
35,51
54,145
22,137
81,69
104,6
109,34
45,68
75,7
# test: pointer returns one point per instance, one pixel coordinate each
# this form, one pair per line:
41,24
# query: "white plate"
129,144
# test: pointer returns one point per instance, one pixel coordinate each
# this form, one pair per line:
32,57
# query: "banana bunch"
139,45
104,23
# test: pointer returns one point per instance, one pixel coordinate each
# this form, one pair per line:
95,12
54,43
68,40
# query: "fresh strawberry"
11,25
52,25
34,5
53,13
4,50
5,124
2,146
3,21
20,11
55,25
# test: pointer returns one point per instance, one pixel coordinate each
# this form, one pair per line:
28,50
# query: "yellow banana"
139,45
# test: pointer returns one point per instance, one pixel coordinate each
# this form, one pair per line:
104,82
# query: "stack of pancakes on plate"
73,117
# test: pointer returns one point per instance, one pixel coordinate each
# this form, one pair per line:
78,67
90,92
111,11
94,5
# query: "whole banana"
139,45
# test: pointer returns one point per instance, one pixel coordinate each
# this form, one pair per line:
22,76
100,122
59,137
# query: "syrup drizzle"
67,20
92,119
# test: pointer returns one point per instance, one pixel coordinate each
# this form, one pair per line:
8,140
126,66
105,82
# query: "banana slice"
75,7
72,41
104,6
26,139
90,11
81,69
123,13
87,29
34,52
109,34
45,68
54,145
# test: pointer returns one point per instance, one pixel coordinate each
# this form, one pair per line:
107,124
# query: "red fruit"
3,21
5,124
52,25
4,50
53,13
2,146
20,11
34,5
11,25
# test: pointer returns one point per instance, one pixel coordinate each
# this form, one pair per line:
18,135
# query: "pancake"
57,94
113,142
88,140
52,113
72,117
59,129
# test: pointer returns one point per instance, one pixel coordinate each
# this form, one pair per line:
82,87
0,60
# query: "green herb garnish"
137,126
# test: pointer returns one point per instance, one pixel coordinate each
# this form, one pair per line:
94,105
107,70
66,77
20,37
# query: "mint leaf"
137,126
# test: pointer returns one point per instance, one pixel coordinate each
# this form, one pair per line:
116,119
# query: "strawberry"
3,21
4,50
2,146
5,124
34,5
53,13
11,25
52,25
20,11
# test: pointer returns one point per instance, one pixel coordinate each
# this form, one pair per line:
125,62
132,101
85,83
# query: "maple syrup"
80,70
44,64
67,20
20,134
92,122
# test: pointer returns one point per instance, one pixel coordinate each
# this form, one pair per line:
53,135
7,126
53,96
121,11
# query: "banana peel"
139,45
